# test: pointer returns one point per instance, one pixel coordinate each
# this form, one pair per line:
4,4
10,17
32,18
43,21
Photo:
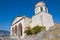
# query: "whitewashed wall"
42,19
25,22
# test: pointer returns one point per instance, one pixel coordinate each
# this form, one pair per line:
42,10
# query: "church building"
41,18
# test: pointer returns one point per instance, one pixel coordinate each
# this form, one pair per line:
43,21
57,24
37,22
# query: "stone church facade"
41,18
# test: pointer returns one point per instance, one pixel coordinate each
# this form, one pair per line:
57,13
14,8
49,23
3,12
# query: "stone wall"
39,36
52,34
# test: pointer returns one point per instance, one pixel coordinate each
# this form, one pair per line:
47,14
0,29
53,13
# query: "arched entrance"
12,31
16,29
20,30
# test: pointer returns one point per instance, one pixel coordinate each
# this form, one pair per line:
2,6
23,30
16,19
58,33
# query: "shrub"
35,30
42,27
28,31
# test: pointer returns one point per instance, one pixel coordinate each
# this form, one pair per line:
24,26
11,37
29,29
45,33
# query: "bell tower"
40,7
42,16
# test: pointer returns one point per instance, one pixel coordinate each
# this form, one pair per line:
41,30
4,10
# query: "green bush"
42,27
35,30
28,31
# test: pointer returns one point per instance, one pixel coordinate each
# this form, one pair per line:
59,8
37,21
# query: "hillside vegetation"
35,30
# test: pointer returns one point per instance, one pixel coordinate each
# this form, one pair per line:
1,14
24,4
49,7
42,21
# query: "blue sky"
10,9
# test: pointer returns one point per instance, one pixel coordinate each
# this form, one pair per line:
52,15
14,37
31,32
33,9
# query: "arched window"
41,9
45,8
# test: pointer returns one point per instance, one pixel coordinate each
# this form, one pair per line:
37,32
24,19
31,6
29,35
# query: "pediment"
16,19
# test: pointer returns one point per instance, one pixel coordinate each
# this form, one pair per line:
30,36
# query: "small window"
41,9
45,8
